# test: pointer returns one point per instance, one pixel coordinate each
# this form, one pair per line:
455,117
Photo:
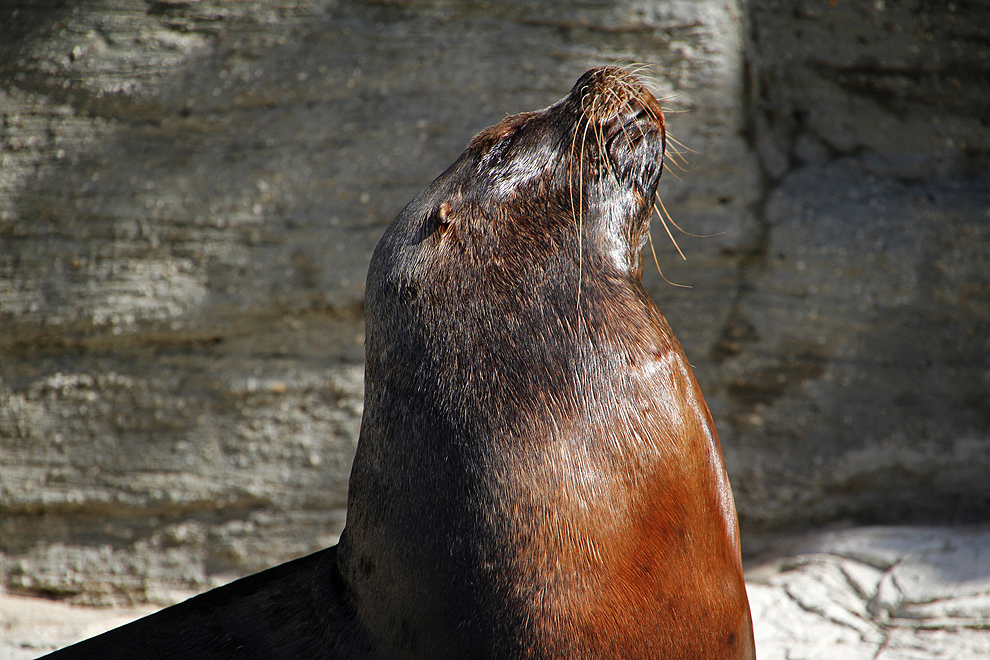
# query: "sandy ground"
875,593
30,627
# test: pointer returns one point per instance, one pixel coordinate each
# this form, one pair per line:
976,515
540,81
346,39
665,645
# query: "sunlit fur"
538,475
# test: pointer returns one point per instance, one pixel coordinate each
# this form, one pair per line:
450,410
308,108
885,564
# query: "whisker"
657,262
686,233
677,158
669,234
600,142
584,137
684,146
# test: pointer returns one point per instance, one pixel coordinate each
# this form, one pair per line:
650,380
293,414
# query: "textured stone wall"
855,368
190,193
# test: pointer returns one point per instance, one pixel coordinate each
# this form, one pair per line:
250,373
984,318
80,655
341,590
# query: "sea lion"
538,475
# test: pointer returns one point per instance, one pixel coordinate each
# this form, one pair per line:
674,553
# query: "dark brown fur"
538,475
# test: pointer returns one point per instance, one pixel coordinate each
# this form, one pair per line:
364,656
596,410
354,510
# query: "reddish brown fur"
665,469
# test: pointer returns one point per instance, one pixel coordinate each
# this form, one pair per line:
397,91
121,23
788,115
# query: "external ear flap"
444,218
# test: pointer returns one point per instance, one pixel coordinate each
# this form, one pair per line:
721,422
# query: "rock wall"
190,193
855,369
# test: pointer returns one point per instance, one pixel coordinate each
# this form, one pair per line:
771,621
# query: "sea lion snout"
624,120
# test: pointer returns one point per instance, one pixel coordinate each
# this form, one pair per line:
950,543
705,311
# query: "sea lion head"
580,174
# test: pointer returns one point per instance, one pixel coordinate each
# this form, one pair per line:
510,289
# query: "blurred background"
190,192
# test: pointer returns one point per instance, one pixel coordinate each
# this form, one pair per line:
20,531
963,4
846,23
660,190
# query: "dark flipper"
295,610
